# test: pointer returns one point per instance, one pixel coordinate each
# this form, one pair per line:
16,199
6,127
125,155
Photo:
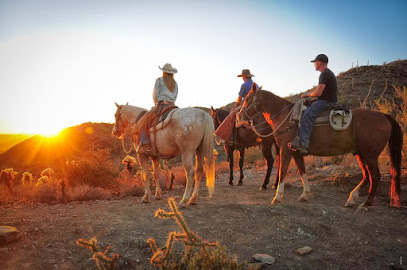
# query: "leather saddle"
162,117
339,116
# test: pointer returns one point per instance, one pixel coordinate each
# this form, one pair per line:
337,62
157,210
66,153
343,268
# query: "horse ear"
212,109
261,87
127,103
254,87
117,105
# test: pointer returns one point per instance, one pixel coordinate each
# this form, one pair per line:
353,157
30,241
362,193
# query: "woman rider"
165,93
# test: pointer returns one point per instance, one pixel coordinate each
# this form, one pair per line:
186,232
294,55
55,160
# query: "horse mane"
269,100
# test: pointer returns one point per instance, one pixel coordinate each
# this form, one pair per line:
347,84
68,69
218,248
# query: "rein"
253,126
122,138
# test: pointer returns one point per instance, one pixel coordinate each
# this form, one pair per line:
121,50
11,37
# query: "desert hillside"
9,140
37,153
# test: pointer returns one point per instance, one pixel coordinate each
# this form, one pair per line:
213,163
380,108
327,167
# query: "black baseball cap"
321,57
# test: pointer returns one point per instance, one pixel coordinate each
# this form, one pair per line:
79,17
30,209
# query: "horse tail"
209,155
395,145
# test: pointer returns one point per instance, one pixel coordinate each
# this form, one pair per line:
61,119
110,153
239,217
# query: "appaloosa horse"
246,138
188,133
366,138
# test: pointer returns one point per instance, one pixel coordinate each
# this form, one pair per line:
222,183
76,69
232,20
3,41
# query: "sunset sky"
63,63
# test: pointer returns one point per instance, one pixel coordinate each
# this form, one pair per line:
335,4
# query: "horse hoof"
182,204
349,204
230,184
193,200
239,183
263,188
145,199
304,197
158,196
275,201
362,208
274,187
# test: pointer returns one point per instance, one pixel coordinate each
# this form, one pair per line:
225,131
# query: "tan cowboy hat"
245,73
167,68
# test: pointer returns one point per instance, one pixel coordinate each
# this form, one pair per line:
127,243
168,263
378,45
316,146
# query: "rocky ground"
240,217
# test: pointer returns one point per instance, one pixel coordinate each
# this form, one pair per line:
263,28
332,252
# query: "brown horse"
246,138
366,138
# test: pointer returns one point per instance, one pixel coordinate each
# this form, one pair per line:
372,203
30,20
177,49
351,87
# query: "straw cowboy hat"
245,73
167,68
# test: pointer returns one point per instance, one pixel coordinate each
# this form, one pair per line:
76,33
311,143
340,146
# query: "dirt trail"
240,217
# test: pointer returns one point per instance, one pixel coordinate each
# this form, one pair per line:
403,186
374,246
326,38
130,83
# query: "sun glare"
49,132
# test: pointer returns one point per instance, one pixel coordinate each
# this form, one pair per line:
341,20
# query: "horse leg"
266,151
374,175
229,150
156,177
187,161
278,168
285,156
146,175
306,193
198,176
241,160
354,194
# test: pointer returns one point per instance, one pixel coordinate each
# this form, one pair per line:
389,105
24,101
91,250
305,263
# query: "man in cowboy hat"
327,93
226,130
246,86
164,94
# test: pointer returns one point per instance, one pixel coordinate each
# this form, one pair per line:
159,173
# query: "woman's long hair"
169,81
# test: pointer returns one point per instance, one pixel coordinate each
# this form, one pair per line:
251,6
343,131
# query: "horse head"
120,122
218,115
249,107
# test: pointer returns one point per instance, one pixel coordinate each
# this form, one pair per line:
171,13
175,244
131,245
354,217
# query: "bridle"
119,119
254,103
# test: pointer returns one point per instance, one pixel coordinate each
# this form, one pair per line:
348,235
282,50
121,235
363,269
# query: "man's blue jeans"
308,119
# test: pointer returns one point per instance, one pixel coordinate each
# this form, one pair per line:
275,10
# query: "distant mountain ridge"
9,140
37,153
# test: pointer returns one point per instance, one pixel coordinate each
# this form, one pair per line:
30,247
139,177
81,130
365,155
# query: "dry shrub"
86,193
396,107
46,194
222,167
180,176
252,155
95,168
130,185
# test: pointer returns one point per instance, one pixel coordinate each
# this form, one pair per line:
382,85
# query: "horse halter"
119,118
254,103
244,110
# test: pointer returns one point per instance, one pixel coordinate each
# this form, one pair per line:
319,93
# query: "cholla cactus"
7,177
42,180
188,237
101,258
129,161
71,163
48,172
27,178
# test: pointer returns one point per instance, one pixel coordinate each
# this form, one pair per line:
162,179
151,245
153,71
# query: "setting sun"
49,134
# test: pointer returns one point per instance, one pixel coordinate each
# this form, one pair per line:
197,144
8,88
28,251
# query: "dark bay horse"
246,138
366,138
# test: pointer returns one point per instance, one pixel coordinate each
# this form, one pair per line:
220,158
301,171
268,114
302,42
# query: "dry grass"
87,193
